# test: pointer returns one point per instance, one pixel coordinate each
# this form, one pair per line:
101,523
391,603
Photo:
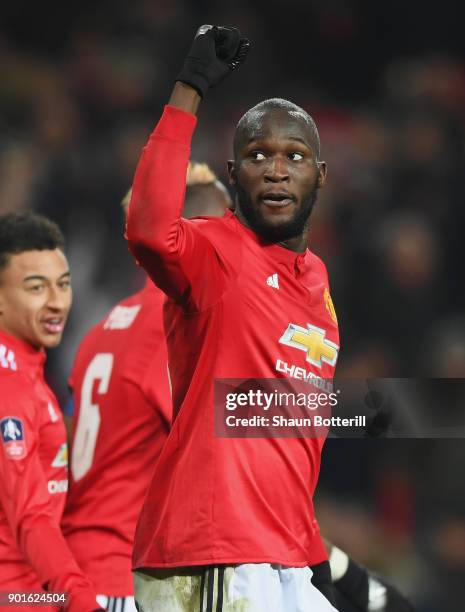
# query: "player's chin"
275,216
278,230
50,340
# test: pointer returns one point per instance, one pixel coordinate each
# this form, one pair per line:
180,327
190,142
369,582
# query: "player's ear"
232,171
322,173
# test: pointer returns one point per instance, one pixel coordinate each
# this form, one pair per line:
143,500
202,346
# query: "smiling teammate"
35,298
230,521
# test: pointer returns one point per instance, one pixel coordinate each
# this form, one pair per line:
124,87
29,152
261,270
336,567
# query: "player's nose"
276,170
57,299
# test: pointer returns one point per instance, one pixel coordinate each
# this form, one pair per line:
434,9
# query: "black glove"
215,52
369,592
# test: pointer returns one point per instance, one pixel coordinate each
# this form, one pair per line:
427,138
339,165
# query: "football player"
229,522
35,298
212,531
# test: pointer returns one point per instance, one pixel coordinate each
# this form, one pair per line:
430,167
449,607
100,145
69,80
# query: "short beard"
276,233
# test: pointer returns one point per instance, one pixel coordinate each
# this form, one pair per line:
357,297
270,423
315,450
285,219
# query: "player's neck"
298,244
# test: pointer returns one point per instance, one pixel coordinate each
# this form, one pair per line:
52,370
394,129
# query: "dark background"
81,86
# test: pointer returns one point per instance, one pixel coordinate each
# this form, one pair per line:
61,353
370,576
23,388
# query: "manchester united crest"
330,306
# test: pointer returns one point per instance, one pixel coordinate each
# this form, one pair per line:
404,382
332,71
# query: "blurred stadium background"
81,87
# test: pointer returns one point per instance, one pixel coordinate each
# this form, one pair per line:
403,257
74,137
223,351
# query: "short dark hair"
251,116
27,231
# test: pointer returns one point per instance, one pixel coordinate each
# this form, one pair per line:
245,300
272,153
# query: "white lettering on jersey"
121,317
293,371
57,486
7,358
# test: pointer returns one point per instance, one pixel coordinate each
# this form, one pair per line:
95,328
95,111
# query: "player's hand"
385,597
362,589
215,52
366,591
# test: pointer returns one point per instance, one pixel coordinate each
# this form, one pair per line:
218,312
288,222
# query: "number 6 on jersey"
99,369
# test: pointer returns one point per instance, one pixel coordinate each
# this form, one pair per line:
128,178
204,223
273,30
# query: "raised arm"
170,248
185,98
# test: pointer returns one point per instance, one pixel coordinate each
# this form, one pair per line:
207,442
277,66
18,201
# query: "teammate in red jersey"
35,297
122,419
230,521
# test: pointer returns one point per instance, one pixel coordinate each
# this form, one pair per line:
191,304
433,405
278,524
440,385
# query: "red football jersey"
234,306
122,417
34,479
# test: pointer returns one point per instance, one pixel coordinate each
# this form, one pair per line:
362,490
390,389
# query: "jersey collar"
150,286
24,352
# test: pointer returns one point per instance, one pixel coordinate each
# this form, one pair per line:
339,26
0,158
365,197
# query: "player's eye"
296,156
257,155
65,284
36,288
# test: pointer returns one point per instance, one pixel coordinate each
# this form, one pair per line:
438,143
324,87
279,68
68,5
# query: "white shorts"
250,587
117,604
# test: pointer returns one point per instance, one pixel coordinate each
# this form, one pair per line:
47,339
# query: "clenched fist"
215,52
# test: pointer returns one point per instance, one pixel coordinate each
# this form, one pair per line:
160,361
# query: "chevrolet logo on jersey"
312,340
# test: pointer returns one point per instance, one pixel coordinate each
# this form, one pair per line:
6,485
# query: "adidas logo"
273,281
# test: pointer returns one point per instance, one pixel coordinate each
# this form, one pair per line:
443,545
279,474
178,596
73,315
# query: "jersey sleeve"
26,502
176,254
